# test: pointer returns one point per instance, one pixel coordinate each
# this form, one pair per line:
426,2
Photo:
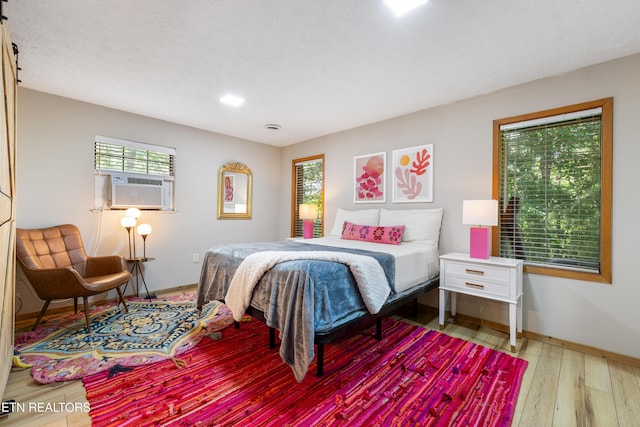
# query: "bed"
314,291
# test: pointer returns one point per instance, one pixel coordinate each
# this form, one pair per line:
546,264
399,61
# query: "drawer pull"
474,285
478,272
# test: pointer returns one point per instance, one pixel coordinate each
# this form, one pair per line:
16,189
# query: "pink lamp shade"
309,213
482,215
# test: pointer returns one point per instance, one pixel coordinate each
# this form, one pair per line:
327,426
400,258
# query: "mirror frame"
234,167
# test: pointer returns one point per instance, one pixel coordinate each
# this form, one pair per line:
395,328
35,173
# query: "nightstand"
496,278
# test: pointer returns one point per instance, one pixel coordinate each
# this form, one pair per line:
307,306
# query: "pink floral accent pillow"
391,235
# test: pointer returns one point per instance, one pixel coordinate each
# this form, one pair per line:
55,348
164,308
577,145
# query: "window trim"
294,189
606,176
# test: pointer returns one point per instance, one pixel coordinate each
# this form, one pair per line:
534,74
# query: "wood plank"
462,332
529,351
571,397
493,339
539,407
601,408
597,373
626,393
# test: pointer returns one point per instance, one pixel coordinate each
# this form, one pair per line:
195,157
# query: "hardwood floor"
561,387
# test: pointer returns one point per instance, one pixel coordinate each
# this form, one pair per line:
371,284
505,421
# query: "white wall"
55,185
604,316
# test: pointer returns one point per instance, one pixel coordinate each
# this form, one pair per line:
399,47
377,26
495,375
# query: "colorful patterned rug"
413,376
152,330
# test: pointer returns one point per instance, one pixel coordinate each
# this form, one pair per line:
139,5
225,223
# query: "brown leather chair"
56,264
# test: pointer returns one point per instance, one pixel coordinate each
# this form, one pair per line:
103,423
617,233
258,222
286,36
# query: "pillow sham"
391,235
363,216
419,224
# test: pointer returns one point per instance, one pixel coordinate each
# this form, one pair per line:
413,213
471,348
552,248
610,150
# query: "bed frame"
356,325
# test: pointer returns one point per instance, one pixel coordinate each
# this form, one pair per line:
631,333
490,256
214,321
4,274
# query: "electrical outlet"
196,258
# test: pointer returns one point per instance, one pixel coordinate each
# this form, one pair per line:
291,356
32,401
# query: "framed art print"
229,189
369,178
413,174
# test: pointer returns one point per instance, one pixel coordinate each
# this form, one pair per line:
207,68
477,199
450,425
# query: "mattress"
416,261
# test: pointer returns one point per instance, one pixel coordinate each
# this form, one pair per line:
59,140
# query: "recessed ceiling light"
232,100
400,7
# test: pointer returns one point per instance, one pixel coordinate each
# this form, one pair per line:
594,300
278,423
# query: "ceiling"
314,67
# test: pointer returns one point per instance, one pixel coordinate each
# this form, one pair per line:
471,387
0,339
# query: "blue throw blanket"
298,297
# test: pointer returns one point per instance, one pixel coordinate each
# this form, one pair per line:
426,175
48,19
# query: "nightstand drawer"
476,286
478,271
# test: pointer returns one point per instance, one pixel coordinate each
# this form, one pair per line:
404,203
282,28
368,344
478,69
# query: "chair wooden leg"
39,319
75,305
122,299
86,313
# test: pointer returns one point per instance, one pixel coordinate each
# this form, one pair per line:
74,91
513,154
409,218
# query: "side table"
136,271
496,278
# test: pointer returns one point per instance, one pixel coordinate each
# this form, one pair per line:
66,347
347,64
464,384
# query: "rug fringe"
17,363
178,362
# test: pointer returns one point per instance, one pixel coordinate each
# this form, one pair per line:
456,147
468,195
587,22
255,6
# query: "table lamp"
309,213
481,215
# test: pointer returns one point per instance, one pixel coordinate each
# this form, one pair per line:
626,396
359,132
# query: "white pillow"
361,217
419,224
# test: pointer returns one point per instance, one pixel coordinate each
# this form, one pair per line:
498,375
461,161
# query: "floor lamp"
144,230
128,223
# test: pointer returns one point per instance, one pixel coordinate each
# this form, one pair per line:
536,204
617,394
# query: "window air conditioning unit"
133,191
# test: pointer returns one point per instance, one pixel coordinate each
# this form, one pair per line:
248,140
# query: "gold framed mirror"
234,191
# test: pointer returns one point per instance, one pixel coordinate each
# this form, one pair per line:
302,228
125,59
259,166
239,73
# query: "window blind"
299,199
129,156
549,186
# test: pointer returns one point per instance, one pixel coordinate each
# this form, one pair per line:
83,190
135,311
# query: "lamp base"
480,242
307,231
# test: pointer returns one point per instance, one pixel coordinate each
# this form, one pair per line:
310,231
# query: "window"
552,177
307,186
131,173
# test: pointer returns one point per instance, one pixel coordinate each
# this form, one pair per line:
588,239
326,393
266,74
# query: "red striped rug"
413,376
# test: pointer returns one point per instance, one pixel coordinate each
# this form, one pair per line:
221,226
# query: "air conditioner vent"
145,181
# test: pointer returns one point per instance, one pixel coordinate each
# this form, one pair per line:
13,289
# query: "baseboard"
592,351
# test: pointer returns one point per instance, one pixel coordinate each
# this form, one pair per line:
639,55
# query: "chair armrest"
103,265
55,283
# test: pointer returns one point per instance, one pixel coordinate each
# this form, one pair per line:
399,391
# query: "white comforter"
367,272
